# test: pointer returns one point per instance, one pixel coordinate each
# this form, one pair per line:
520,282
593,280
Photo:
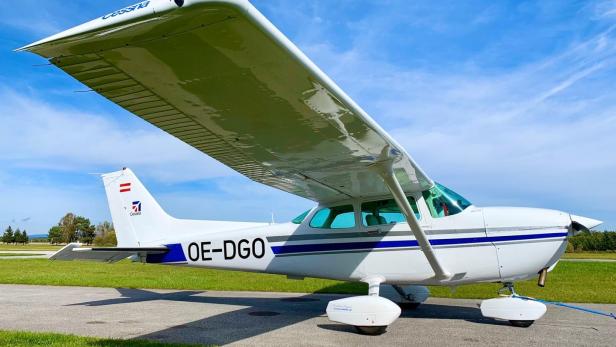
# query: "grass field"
18,254
570,281
29,247
591,255
27,339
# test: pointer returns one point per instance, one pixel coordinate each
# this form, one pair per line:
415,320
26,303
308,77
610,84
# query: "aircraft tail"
137,218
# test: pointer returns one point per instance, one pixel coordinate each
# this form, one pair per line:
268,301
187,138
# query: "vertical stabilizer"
138,219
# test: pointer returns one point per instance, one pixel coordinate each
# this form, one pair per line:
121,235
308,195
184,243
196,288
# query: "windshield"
443,202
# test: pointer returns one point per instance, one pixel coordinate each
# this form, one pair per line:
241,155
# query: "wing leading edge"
220,77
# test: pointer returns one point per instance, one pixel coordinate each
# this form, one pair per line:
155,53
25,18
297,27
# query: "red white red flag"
125,187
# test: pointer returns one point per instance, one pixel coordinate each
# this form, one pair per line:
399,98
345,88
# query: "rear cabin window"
299,219
385,212
339,217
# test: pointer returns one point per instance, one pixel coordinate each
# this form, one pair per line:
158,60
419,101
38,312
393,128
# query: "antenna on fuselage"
272,221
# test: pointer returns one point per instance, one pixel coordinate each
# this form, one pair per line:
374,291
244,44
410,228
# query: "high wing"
220,77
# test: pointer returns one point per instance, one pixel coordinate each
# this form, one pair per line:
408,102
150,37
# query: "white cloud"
537,133
236,199
43,147
605,9
38,135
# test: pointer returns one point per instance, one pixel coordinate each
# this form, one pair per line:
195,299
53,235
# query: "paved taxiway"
248,318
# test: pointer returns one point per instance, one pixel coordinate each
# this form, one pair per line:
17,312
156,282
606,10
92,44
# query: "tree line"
74,228
17,236
593,241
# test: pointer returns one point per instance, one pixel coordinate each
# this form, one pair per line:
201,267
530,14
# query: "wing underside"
220,77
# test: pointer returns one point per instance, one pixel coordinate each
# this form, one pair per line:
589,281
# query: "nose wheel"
521,323
518,311
508,287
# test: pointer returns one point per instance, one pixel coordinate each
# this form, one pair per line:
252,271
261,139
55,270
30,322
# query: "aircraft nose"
586,222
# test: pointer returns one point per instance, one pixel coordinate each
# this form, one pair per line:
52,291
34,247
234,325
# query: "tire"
522,323
409,305
372,331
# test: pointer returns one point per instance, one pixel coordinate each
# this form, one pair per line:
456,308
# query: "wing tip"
25,48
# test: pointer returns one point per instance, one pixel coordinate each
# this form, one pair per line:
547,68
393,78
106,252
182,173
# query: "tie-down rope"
556,303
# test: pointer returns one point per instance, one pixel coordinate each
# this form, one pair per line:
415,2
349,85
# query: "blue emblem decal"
136,209
128,9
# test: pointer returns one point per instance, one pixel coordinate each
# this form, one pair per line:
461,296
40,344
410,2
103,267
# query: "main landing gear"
518,311
369,314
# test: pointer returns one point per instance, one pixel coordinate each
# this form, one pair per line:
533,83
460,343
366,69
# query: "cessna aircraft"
219,76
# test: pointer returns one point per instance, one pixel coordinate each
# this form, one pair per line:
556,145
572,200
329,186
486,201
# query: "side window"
339,217
299,219
385,212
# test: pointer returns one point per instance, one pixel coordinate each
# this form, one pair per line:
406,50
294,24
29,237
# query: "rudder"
138,219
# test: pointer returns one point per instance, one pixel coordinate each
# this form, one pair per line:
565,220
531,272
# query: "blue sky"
509,103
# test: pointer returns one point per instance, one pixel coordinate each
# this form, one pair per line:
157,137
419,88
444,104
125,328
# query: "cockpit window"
339,217
299,219
443,202
385,212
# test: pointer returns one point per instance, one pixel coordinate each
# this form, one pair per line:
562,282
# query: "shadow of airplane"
262,315
259,315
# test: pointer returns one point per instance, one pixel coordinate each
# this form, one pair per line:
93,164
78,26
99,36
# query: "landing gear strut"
507,287
518,311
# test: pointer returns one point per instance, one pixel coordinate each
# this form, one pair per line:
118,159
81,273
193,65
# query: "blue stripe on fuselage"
368,245
175,255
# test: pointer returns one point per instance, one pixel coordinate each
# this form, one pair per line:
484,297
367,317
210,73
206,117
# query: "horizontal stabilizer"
74,251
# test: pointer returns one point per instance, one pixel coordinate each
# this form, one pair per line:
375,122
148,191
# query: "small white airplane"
219,76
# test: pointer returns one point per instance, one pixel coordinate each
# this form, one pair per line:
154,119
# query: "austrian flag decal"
125,187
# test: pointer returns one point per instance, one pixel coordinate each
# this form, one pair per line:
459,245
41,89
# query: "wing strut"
392,183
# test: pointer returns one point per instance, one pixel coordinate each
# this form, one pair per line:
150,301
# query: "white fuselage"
477,245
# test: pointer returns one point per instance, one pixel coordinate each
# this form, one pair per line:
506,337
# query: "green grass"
570,281
27,339
136,275
18,254
591,255
591,282
29,247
